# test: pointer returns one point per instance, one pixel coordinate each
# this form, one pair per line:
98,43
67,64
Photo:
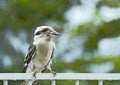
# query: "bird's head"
45,32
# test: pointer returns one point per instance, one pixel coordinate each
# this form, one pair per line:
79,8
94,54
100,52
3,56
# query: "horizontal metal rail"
100,77
61,76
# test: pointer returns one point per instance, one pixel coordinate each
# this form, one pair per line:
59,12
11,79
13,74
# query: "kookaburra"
40,53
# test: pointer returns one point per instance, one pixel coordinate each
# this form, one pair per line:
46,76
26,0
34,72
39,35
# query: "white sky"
102,68
109,46
7,62
79,14
18,42
108,14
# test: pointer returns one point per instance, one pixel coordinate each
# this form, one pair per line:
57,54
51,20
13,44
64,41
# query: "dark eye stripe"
46,29
38,33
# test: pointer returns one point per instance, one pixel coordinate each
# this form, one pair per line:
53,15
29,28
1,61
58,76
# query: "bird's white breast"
43,55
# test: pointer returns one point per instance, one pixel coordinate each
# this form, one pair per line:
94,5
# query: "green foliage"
28,13
112,3
25,15
96,33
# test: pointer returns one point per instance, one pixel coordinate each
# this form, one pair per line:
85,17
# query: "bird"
40,53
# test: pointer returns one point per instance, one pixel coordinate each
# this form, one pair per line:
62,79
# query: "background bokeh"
90,41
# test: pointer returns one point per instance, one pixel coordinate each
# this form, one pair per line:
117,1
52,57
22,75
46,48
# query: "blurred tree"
18,18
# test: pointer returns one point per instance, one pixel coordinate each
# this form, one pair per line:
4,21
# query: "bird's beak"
54,33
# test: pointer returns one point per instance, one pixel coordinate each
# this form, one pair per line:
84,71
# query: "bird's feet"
54,73
34,75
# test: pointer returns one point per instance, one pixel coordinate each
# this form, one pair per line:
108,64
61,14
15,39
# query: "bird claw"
54,73
34,75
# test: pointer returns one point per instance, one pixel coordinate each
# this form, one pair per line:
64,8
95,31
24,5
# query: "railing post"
5,82
100,82
77,82
30,82
53,82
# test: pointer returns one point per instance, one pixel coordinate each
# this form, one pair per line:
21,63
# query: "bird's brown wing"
52,53
29,55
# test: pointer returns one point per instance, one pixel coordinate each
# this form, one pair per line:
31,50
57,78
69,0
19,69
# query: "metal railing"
100,77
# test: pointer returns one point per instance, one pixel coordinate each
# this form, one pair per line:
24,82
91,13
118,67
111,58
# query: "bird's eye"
38,33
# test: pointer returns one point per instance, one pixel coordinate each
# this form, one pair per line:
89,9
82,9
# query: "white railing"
100,77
